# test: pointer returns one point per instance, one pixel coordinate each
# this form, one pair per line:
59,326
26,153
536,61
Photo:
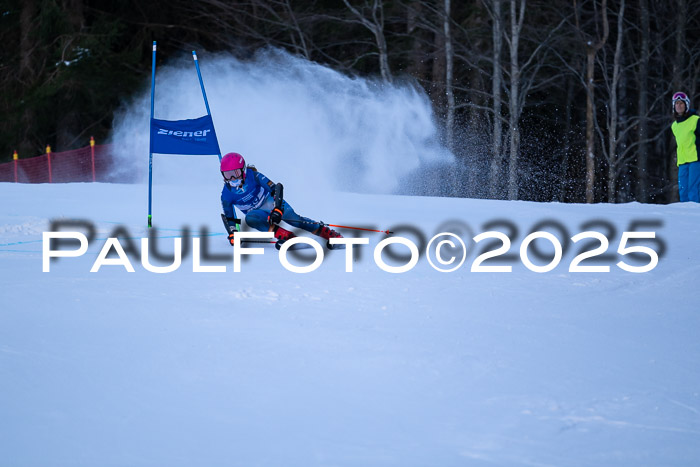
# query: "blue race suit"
254,199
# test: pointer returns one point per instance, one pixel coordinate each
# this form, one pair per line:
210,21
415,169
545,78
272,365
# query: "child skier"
254,195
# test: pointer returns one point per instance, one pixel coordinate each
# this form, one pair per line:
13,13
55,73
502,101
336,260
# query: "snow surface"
271,368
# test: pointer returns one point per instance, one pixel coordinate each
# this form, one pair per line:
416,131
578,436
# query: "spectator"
687,133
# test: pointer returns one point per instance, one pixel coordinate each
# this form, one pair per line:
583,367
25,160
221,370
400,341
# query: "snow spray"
299,122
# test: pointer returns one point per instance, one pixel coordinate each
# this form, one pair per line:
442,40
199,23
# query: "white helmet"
681,96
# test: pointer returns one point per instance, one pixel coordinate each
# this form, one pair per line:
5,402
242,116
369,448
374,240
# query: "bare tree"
643,104
297,35
612,120
513,41
677,80
27,42
375,24
416,31
449,76
568,111
28,67
263,22
618,146
496,91
522,80
592,48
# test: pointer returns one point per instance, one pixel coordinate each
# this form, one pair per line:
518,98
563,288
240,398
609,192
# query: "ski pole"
340,226
388,232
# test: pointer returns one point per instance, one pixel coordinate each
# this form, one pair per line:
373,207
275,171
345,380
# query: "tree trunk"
514,108
564,177
449,72
643,106
677,81
613,161
383,57
590,135
27,65
496,92
591,51
378,17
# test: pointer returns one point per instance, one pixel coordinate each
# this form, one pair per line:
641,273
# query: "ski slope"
267,367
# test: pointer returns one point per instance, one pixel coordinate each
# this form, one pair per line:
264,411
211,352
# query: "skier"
254,195
687,133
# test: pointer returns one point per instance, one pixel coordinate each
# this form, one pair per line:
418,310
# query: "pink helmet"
233,169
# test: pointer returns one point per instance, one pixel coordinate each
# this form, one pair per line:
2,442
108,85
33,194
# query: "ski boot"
327,233
282,235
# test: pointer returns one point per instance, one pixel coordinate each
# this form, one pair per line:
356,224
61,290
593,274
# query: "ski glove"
275,216
230,238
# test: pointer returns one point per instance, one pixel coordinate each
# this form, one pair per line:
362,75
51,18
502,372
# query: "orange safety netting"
62,167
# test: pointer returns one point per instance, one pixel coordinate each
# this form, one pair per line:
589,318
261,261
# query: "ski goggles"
234,174
680,96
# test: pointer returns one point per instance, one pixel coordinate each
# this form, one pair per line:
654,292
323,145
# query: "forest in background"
566,100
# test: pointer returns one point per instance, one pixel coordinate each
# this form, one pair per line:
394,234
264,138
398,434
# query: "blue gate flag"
187,137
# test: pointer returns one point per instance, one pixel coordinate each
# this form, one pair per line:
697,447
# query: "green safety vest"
686,139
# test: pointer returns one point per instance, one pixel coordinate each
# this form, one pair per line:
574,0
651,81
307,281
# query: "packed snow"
270,367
